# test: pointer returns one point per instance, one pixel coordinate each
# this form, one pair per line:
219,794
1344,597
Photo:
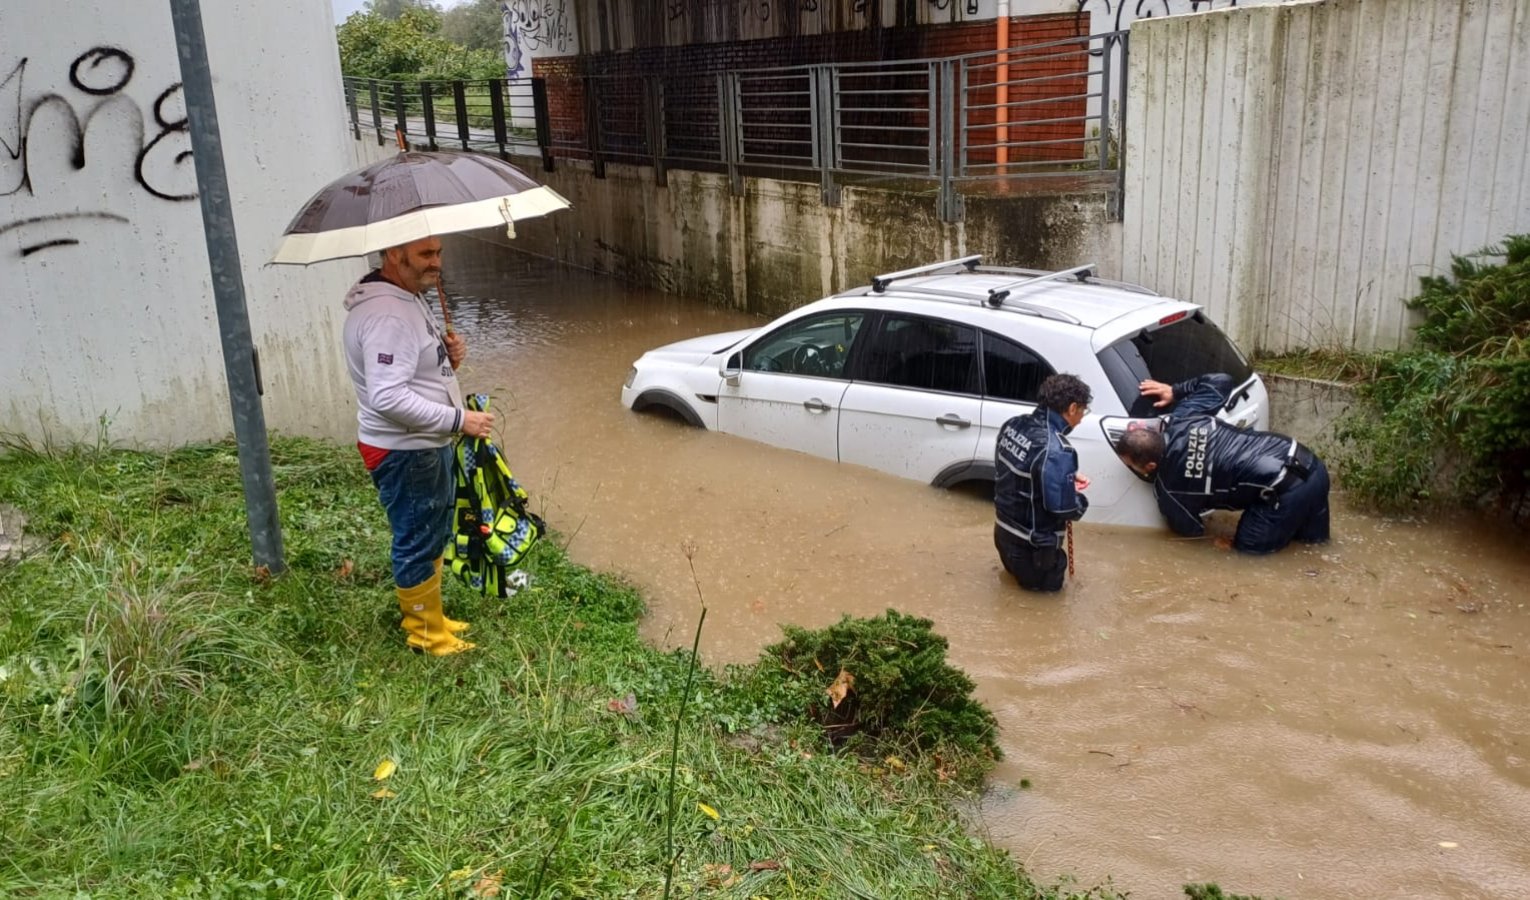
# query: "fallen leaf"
719,875
346,568
488,885
385,770
764,865
193,765
383,794
818,664
841,686
627,705
708,811
1449,845
263,574
894,763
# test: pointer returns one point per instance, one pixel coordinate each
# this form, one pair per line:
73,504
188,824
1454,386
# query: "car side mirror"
732,369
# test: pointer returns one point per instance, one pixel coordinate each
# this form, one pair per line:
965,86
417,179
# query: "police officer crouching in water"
1036,485
1198,463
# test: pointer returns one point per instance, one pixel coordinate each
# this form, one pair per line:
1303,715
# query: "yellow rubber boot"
452,625
421,606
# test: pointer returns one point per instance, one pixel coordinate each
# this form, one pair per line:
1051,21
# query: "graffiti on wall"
532,26
943,5
50,129
1118,15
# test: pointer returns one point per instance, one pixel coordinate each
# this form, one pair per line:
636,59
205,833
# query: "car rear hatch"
1179,344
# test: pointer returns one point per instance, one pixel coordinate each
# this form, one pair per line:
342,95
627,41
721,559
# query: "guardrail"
977,123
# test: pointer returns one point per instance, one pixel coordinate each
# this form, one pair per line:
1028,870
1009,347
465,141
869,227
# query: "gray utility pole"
240,361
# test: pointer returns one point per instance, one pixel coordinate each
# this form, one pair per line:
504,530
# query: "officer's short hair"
1141,446
1058,392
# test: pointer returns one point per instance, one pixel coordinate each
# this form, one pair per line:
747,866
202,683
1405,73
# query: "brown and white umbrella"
411,196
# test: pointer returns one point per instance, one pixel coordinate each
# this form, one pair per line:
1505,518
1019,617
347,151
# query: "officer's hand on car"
1162,393
1080,482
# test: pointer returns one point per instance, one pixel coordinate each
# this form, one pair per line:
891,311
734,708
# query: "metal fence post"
497,108
400,114
825,118
428,101
592,125
653,118
350,106
730,129
949,202
543,119
1121,131
1104,144
459,100
376,110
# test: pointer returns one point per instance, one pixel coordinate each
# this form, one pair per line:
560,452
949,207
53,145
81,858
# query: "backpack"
493,530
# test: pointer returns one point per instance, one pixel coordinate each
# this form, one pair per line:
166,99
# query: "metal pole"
240,362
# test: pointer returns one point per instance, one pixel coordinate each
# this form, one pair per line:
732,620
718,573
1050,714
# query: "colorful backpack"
494,530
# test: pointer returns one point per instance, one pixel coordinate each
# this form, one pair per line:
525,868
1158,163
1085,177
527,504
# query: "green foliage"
903,695
1459,401
476,25
410,47
175,725
1212,892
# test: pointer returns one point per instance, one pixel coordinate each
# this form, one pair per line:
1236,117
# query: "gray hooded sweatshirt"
407,395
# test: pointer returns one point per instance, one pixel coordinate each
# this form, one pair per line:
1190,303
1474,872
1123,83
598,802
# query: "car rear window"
1173,353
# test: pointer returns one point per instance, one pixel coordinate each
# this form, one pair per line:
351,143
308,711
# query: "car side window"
1011,372
927,354
817,346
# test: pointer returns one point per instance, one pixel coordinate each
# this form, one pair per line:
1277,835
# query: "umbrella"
411,196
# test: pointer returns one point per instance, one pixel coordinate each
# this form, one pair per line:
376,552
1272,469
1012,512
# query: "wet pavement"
1340,721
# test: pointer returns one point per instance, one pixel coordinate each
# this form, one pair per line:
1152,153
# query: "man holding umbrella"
409,406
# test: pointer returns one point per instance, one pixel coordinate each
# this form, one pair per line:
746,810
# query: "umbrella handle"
446,314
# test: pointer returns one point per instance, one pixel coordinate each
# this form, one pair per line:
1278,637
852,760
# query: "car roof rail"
1019,306
997,296
880,282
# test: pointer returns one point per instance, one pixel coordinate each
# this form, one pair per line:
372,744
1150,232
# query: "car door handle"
957,421
815,405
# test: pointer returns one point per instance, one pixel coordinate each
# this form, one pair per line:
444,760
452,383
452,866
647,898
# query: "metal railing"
978,123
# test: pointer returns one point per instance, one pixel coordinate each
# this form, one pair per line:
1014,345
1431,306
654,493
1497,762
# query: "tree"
410,48
475,24
393,9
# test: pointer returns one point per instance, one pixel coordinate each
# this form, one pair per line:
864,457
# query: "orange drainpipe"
1001,93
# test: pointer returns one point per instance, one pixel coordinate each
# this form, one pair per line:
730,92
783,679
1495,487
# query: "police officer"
1199,463
1036,485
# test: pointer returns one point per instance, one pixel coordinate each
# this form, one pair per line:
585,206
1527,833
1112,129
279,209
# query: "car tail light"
1173,317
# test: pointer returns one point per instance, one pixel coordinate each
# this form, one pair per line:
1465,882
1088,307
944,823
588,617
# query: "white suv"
915,374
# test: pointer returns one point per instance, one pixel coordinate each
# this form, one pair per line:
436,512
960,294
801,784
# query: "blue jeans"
417,490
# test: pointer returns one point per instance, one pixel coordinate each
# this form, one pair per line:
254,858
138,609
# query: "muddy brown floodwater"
1345,721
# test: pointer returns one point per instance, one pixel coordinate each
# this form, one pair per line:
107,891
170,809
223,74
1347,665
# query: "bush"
1462,396
881,684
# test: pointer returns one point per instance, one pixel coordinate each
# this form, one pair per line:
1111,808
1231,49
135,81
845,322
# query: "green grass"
174,725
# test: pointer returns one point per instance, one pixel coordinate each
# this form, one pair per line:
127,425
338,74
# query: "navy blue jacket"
1209,464
1034,495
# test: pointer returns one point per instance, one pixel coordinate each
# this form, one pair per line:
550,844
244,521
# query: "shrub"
891,686
1462,396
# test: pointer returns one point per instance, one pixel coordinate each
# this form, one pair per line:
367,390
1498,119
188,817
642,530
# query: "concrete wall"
108,307
1330,154
777,246
539,27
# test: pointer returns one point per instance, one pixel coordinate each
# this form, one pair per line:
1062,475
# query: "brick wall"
776,126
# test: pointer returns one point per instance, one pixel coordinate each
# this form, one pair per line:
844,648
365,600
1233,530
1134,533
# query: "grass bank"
173,725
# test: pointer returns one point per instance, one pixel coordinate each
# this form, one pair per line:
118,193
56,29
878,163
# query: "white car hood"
698,348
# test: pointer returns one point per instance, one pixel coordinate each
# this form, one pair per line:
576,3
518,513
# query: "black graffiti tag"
102,75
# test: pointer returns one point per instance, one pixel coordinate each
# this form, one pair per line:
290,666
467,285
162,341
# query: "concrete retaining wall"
777,246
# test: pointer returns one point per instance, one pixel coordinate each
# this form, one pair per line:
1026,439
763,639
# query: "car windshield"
1173,353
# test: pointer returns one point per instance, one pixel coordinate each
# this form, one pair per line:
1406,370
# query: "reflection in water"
1315,724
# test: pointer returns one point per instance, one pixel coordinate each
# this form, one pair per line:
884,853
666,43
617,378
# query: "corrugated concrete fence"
1297,168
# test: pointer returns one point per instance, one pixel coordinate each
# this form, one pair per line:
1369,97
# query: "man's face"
417,265
1146,470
